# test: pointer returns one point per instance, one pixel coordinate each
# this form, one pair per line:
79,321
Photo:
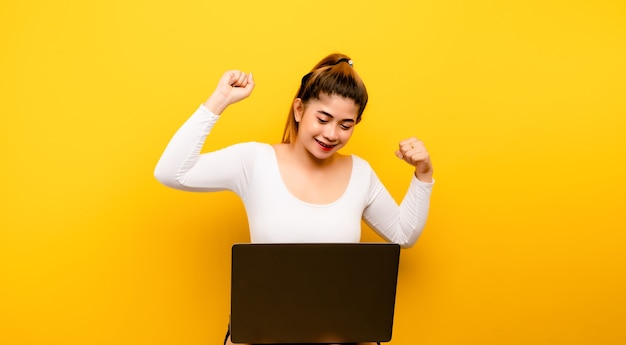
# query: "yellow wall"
521,104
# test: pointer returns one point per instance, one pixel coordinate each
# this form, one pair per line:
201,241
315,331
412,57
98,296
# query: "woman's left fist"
414,152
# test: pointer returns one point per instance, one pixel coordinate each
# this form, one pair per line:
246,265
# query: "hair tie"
348,61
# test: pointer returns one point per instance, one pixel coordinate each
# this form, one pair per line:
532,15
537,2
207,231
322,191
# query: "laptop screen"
313,293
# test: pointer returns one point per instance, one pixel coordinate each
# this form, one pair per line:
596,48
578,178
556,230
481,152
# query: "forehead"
335,105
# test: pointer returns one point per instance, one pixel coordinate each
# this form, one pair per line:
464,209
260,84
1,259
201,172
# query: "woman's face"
326,124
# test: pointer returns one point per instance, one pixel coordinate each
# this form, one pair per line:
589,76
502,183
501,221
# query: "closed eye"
345,127
326,117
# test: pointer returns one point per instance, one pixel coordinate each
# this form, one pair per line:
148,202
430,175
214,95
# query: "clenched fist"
414,152
232,87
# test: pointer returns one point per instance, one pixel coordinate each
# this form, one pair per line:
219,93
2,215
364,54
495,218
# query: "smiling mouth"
325,146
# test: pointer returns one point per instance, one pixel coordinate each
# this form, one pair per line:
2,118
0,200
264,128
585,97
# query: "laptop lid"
313,293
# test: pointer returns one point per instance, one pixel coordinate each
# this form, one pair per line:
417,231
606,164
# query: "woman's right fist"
232,87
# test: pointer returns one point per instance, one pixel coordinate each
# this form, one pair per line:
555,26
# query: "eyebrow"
330,115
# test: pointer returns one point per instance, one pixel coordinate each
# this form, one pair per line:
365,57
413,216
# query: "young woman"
302,189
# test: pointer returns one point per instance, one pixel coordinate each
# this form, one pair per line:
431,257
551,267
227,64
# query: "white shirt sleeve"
401,224
182,167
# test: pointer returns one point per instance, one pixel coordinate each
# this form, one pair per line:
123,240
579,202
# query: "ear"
298,109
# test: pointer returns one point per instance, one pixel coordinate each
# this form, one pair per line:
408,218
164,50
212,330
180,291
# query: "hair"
333,75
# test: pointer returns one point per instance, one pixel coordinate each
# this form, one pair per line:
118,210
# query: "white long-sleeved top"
274,214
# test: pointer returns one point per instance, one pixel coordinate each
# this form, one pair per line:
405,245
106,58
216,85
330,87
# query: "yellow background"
521,104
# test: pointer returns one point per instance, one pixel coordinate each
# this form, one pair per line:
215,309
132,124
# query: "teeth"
321,143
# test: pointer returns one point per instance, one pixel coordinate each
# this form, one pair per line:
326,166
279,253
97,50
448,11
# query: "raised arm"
403,224
181,165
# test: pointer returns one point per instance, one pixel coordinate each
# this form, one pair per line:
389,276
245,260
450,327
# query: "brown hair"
333,75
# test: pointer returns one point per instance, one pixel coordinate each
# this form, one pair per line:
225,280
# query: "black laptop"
313,293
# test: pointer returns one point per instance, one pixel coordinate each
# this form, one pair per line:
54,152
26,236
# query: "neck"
303,157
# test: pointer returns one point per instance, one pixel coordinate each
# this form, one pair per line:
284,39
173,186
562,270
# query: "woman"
302,189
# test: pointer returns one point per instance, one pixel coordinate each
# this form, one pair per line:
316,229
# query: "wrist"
216,104
424,177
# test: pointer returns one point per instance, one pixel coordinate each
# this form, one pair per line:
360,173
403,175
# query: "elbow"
172,179
407,244
165,177
410,235
161,177
409,240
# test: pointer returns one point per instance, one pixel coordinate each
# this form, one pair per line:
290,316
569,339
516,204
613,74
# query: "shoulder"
245,151
362,172
251,146
361,165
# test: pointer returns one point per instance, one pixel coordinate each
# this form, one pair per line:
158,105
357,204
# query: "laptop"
313,293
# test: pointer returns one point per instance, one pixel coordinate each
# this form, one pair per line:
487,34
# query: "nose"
330,133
